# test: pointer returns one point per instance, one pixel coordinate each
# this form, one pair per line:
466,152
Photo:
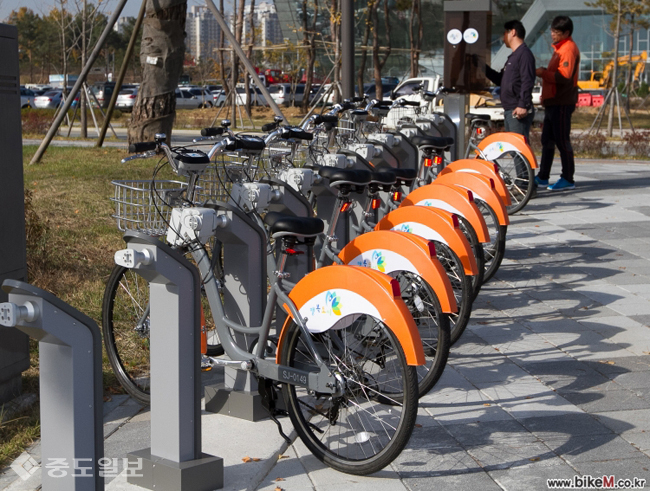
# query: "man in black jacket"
516,80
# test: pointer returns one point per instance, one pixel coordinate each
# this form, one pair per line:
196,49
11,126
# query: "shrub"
36,122
637,143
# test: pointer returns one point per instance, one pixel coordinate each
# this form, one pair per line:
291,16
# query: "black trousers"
557,132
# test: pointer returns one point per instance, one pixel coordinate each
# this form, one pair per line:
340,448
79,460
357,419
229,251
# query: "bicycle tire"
479,255
519,177
495,250
125,329
432,324
461,285
341,431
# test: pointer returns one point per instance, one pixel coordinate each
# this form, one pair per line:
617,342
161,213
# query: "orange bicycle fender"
496,144
330,294
425,222
485,168
453,199
482,187
388,252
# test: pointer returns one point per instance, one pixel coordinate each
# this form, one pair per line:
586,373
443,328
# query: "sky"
42,7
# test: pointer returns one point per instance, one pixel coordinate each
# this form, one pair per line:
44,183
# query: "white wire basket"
216,181
145,205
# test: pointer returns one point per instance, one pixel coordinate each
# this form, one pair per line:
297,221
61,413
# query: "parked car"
282,95
257,98
126,99
537,95
193,97
409,88
49,100
219,97
386,90
26,98
104,90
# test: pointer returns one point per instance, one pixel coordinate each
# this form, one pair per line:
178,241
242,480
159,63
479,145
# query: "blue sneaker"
561,185
542,183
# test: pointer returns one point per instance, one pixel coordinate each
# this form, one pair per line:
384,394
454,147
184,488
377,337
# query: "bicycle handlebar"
142,147
214,131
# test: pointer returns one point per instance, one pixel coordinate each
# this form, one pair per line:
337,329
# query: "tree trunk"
335,28
309,38
415,39
161,55
249,55
222,66
364,52
379,64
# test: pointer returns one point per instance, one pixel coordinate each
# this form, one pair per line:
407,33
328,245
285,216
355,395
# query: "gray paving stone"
625,421
633,380
623,365
575,424
620,468
472,481
533,476
490,432
642,319
505,455
613,400
592,448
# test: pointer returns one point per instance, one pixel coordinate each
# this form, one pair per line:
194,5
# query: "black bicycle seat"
402,176
382,177
281,225
438,142
339,177
480,117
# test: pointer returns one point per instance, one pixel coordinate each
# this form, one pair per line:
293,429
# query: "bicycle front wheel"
495,250
432,324
125,326
479,254
519,177
125,329
369,424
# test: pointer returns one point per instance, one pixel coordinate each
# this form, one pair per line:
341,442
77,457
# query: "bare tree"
162,53
377,62
416,32
309,37
364,44
249,55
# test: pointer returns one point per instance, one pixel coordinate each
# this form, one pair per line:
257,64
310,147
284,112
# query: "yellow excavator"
601,80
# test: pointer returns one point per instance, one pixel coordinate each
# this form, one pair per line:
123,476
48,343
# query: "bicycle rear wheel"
495,250
364,429
519,177
433,326
461,285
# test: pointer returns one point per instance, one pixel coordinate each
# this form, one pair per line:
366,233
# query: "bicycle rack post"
244,264
70,360
174,461
456,106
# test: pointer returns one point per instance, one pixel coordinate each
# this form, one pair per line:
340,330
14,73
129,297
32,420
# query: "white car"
126,99
193,98
537,95
49,100
26,98
281,94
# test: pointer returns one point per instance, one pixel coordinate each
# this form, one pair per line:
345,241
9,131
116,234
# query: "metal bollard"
174,461
70,359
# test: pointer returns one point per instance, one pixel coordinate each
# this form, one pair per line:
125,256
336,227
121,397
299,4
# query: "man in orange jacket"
559,98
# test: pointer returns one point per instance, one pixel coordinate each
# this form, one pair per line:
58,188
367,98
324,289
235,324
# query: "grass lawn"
71,241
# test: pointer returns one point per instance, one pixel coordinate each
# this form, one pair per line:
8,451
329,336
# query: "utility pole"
613,97
347,43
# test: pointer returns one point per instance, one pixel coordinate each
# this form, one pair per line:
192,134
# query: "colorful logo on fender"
334,302
378,259
405,227
331,306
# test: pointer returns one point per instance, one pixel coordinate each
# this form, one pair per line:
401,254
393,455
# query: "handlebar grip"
357,99
384,104
142,147
326,118
347,105
411,103
212,131
269,127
